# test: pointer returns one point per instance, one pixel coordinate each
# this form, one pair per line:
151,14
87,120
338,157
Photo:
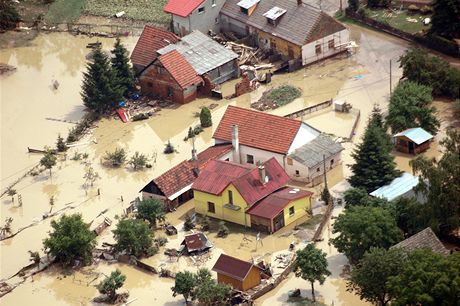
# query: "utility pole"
390,79
341,9
324,168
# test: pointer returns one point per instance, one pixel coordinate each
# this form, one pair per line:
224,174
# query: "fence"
309,110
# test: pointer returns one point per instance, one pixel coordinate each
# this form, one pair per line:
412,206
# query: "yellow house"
252,197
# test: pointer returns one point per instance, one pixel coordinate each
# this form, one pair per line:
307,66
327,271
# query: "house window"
201,10
291,211
317,169
318,49
289,161
211,207
149,84
297,173
330,44
230,197
213,3
249,159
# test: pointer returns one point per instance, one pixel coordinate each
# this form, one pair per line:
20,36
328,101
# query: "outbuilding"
413,141
239,274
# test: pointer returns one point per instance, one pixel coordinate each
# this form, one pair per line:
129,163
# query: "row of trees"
106,80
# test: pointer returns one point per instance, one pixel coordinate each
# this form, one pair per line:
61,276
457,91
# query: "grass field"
148,10
403,20
62,11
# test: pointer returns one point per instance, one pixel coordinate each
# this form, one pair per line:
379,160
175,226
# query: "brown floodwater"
27,99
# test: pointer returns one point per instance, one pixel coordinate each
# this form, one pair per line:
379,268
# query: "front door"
411,147
278,222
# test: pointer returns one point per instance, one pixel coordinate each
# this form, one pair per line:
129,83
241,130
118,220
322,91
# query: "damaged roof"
151,40
311,153
201,51
218,174
300,24
197,242
233,267
425,239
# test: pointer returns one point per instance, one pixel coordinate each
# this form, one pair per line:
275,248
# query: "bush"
426,10
138,161
205,223
60,144
284,94
161,241
205,117
223,230
111,283
189,223
169,148
116,158
413,8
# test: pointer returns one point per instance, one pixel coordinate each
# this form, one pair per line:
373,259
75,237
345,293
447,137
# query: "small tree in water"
189,223
110,285
120,65
151,210
90,176
60,144
100,90
116,158
223,230
205,117
49,160
184,284
138,160
169,148
311,265
134,237
11,192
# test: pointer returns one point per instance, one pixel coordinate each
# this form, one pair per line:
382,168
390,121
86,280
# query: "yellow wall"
301,208
239,216
281,44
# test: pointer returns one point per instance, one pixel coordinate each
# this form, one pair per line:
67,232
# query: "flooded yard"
27,100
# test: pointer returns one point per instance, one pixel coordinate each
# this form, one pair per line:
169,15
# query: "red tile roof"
272,205
233,267
182,175
217,175
258,130
182,8
176,64
151,40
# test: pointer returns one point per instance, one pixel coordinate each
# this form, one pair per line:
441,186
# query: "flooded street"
27,99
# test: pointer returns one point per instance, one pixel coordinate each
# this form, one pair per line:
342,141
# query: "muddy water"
319,83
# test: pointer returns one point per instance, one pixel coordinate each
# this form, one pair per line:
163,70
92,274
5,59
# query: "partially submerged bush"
169,148
223,230
116,158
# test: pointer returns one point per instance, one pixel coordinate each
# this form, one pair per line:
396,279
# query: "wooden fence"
309,109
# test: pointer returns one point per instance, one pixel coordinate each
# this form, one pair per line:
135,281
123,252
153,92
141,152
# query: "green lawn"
63,11
148,10
402,20
312,222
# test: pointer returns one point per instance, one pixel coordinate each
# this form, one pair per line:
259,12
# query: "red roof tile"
232,267
213,152
217,175
180,69
272,205
258,130
182,8
151,40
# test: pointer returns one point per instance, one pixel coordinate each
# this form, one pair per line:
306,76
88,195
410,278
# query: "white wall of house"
304,135
203,18
309,54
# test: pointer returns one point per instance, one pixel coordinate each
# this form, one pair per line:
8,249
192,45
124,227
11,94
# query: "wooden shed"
239,274
413,141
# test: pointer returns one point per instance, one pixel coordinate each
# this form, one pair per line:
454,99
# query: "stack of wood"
247,55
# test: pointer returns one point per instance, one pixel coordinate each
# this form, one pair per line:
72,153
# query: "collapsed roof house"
195,243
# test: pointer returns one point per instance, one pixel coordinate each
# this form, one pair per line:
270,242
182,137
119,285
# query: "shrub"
426,10
169,148
138,161
284,94
189,223
223,230
413,8
205,117
116,158
205,223
161,241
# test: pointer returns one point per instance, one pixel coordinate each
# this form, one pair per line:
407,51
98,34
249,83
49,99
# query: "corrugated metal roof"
397,187
417,135
246,4
425,239
311,153
274,13
201,51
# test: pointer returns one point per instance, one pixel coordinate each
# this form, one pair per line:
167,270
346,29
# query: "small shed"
239,274
400,187
425,239
196,243
413,141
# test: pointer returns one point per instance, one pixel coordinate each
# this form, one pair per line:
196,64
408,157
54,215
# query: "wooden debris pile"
247,55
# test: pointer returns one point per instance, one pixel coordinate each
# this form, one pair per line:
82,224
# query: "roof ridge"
264,113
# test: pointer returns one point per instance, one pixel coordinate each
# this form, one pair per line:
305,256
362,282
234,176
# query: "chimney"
235,144
262,174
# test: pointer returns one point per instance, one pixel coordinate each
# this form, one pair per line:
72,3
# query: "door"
411,147
278,222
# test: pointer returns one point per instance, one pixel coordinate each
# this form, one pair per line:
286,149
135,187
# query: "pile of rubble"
6,69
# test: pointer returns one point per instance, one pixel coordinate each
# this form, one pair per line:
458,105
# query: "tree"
169,148
111,283
374,165
223,230
120,64
207,291
353,5
369,279
361,228
60,144
90,176
411,216
184,284
205,223
10,191
9,16
151,210
427,279
138,160
439,184
410,106
418,66
378,3
360,197
311,265
205,117
100,90
116,158
189,222
48,160
445,20
326,195
70,239
133,237
35,257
